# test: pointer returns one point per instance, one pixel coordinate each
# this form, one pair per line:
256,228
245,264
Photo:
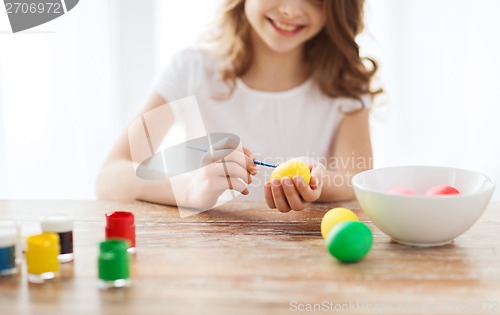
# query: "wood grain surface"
244,258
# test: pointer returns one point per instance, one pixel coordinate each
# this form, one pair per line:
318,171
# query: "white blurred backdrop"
69,87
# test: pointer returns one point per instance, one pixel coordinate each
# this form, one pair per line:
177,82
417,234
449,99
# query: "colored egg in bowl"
395,200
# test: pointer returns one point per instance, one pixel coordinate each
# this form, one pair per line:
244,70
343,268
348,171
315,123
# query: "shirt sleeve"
180,77
350,105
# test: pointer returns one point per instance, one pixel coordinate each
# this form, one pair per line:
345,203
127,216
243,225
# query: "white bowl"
419,220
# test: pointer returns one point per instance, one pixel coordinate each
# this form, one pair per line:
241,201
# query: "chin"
283,49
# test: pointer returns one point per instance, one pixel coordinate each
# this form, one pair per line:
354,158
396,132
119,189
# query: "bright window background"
440,66
69,87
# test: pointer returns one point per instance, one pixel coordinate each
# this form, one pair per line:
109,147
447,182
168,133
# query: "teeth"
285,27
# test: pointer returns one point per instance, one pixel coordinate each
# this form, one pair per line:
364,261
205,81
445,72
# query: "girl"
287,78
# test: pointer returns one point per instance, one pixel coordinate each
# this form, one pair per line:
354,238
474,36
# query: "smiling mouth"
285,28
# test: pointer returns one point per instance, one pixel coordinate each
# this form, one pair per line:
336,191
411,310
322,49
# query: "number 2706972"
33,8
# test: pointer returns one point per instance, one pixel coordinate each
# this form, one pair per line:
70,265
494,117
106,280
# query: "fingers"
292,196
309,193
237,157
279,196
318,170
248,153
235,184
229,149
249,159
233,144
269,196
233,170
314,182
227,176
220,184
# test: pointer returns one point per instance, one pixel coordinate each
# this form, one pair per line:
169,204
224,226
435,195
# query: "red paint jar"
121,225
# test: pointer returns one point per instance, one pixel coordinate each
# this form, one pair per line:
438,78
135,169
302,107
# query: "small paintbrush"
258,162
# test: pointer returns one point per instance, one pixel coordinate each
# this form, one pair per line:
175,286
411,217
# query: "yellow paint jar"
41,255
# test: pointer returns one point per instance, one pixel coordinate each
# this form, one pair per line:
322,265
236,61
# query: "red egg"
401,191
442,190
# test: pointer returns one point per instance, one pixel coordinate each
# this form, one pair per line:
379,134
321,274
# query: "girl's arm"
201,189
117,178
352,154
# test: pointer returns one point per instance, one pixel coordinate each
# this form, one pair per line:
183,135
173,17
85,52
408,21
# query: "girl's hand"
295,194
229,166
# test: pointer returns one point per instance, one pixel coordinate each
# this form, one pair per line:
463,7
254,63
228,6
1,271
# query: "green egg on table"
349,241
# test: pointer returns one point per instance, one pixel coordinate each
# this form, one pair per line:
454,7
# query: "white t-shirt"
275,126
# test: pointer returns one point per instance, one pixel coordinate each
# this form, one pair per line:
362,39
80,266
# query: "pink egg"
442,190
401,191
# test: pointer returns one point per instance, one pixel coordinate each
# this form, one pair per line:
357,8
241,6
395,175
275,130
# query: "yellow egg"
335,216
290,169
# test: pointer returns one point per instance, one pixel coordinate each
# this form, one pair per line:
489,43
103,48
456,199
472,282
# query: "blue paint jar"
8,239
8,223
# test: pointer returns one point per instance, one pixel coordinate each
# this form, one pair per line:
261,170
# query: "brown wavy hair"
333,53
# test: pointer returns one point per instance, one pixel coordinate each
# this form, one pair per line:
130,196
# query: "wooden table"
246,259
